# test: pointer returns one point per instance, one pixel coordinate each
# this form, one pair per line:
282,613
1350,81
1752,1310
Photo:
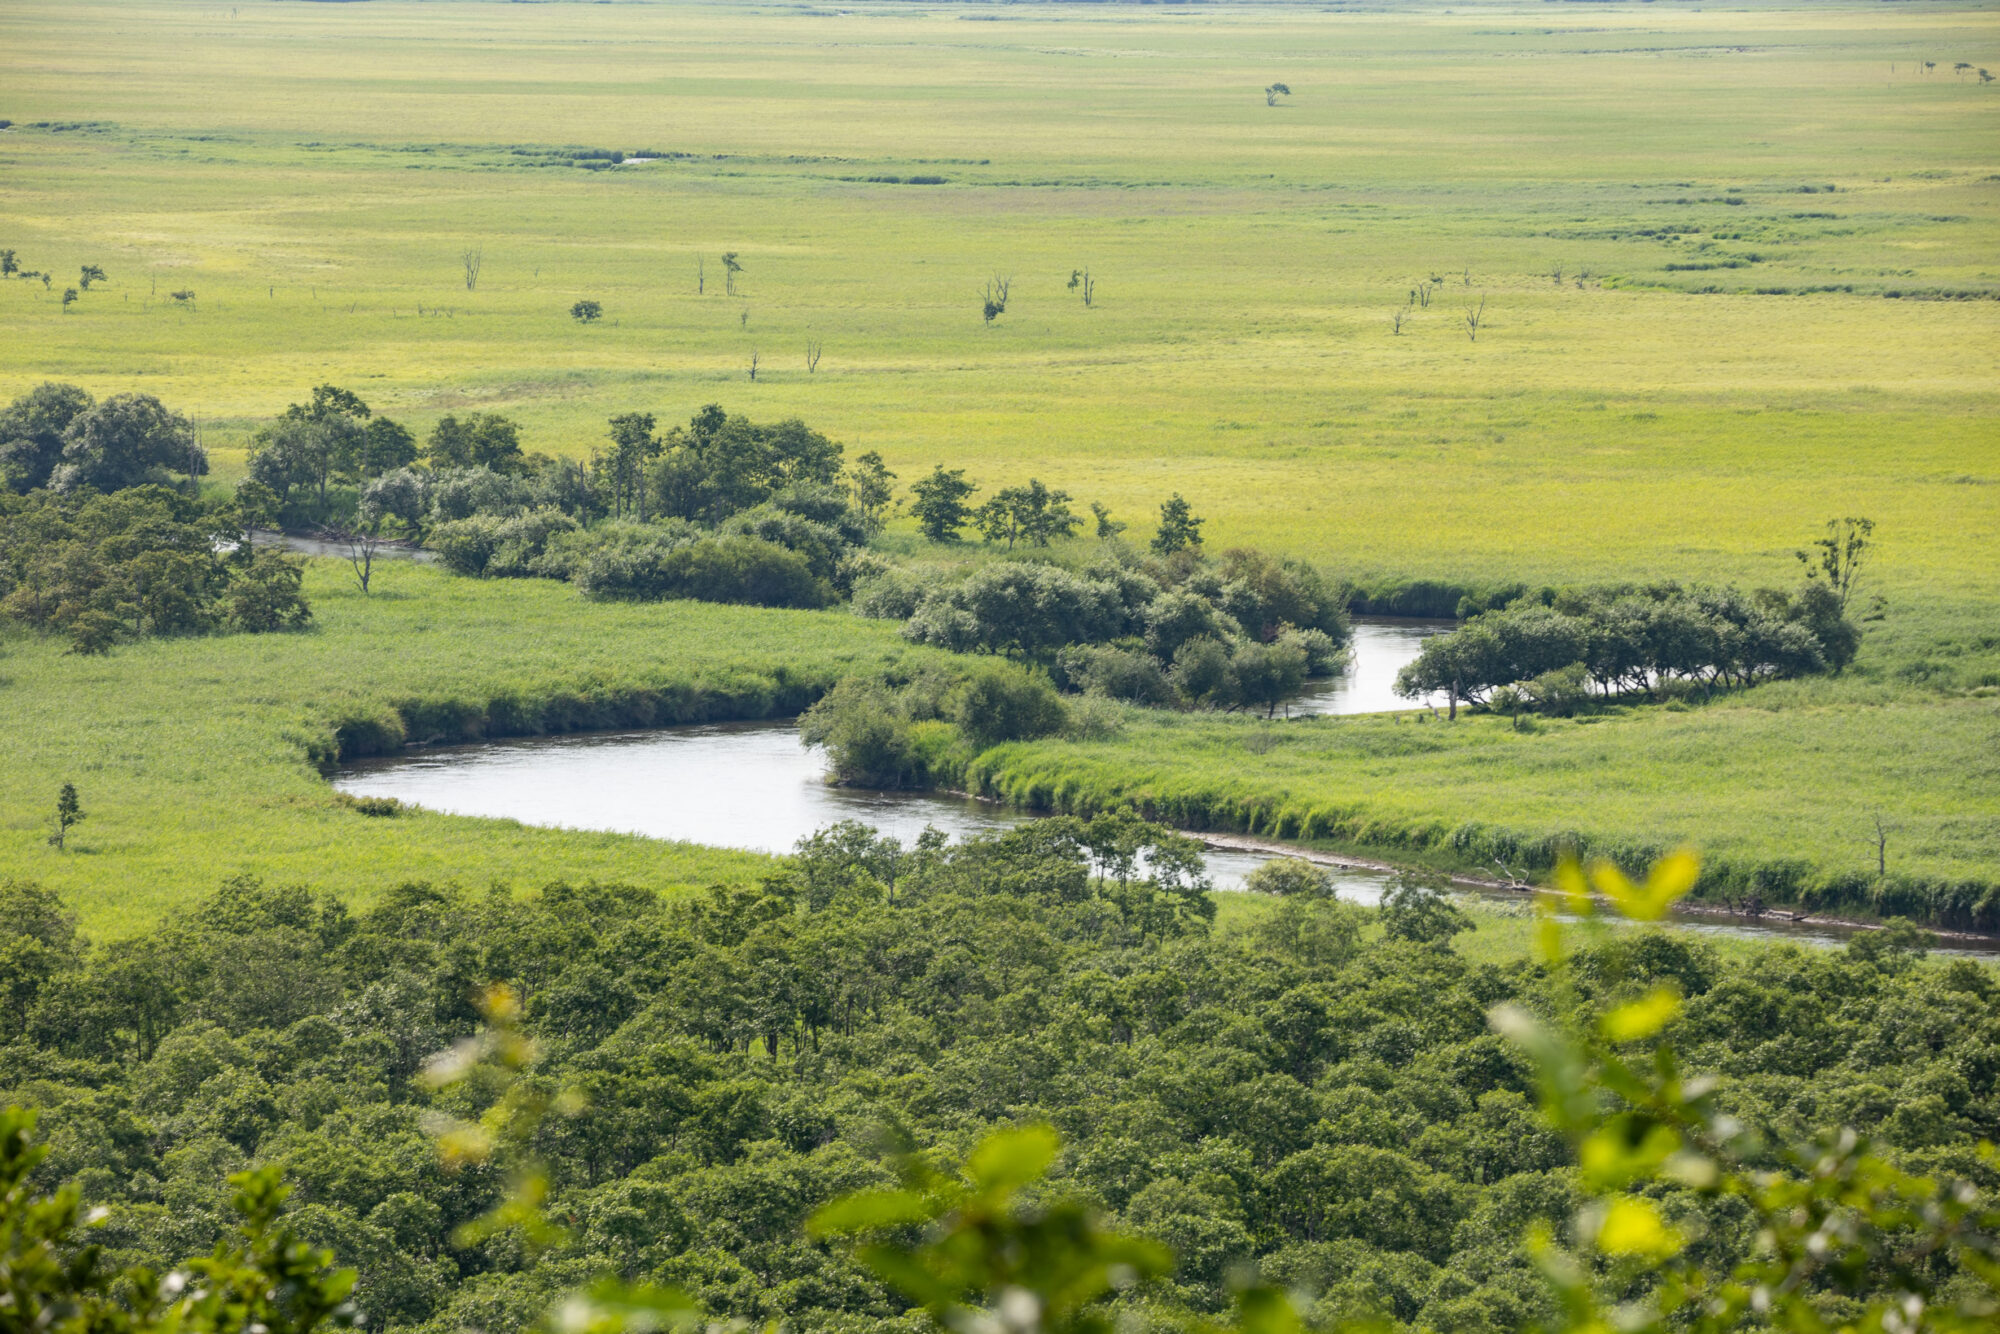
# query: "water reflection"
1382,646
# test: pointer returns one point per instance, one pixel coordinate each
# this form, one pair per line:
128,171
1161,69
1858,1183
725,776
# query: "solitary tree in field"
812,355
90,274
472,259
1838,556
938,502
183,297
1080,279
68,298
1396,320
9,266
1179,529
730,268
1274,92
1475,318
995,297
69,811
586,312
753,365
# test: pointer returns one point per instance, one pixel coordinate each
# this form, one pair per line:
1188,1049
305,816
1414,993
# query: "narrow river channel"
755,786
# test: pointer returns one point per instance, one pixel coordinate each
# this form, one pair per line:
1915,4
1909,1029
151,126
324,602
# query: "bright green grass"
191,754
313,173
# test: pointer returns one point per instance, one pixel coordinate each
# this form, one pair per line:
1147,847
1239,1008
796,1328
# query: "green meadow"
1736,272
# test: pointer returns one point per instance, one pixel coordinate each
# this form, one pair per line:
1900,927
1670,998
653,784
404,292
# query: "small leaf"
1571,887
1642,1018
1634,1227
1009,1158
868,1210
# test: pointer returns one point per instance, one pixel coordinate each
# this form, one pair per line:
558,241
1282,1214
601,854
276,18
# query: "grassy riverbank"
194,757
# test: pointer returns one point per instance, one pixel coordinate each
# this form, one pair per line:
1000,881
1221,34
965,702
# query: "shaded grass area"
195,758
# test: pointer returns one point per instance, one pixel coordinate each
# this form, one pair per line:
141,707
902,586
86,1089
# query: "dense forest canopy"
1319,1092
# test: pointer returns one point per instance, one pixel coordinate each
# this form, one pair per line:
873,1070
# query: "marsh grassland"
1738,273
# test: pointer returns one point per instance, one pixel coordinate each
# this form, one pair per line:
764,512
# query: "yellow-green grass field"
314,173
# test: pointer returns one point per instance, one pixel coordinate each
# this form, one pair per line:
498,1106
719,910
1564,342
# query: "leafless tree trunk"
472,259
360,545
700,276
1473,319
753,365
1881,848
1396,320
812,355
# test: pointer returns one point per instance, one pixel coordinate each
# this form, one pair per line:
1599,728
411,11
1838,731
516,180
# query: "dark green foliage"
55,1273
69,812
1179,529
1032,514
1306,1094
1638,640
480,440
31,433
938,502
717,464
710,569
1419,909
143,561
1030,610
1005,704
127,440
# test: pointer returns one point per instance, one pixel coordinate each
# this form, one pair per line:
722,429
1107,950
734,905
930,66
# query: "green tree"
481,440
1418,908
1839,556
1179,529
1032,513
938,502
69,812
873,487
586,312
31,433
127,440
633,446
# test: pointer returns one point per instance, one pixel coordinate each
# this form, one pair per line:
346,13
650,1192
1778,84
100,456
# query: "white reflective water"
1381,647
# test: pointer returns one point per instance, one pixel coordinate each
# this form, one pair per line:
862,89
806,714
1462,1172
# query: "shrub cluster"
1245,630
1636,640
142,561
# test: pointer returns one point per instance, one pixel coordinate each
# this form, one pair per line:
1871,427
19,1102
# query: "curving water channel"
755,786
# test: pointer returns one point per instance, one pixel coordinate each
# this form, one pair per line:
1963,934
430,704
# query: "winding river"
755,786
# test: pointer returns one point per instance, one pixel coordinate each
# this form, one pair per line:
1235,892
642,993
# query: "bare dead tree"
1473,319
1396,320
753,365
812,355
700,276
360,545
472,259
1881,848
1468,277
1556,275
743,320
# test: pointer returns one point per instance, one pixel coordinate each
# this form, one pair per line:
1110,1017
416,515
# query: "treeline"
1318,1093
1649,640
